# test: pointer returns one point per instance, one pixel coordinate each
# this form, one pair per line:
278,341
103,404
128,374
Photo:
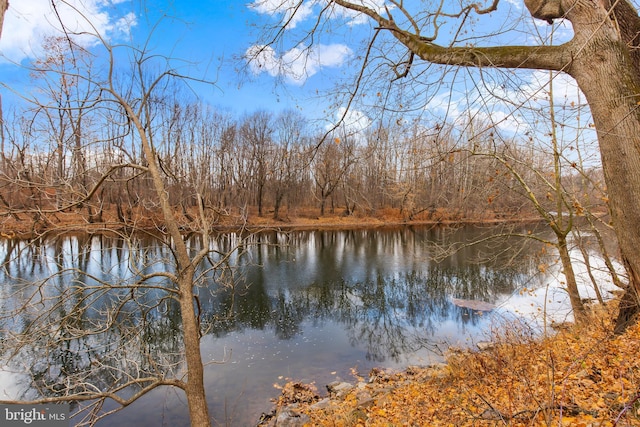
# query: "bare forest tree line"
272,165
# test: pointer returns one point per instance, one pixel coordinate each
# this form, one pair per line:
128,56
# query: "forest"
76,164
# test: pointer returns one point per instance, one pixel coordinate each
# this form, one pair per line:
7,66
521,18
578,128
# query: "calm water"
308,306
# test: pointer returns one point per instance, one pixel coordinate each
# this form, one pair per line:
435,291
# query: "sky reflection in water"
308,306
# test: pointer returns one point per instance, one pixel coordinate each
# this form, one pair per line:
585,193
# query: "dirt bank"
31,224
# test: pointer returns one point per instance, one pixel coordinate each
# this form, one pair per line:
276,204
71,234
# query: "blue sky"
209,37
212,37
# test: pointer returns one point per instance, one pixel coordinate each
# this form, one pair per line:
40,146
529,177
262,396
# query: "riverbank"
581,375
31,224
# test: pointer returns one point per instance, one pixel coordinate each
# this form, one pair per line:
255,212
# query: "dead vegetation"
581,376
36,222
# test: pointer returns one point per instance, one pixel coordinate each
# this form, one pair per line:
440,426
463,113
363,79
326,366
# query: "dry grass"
28,224
31,223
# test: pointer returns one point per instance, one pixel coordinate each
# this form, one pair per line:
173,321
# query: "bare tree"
256,132
332,164
68,124
290,136
71,307
185,263
4,5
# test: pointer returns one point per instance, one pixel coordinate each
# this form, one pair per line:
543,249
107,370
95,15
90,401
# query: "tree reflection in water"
93,315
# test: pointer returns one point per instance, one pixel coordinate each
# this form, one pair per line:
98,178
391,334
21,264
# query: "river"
312,306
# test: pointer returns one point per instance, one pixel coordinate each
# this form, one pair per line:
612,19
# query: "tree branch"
529,57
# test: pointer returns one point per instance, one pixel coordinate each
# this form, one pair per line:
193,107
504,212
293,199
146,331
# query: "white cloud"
357,18
459,111
560,32
354,121
517,109
28,22
295,11
301,62
297,64
565,88
350,123
504,121
124,25
292,11
533,91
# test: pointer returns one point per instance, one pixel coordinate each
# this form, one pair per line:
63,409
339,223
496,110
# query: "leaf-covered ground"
581,376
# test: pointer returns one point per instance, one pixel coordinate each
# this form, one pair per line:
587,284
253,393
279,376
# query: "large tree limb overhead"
531,57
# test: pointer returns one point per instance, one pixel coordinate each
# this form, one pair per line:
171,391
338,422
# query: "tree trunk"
587,263
572,285
605,253
260,197
278,201
194,388
607,76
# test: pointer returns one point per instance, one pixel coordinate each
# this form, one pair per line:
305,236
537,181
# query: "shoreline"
72,223
575,376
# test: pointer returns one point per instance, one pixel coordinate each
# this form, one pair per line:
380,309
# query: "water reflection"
369,297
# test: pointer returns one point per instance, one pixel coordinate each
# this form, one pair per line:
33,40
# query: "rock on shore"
288,410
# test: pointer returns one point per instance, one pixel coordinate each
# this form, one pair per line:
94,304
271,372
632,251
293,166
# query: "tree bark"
572,285
628,22
4,5
607,75
194,387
